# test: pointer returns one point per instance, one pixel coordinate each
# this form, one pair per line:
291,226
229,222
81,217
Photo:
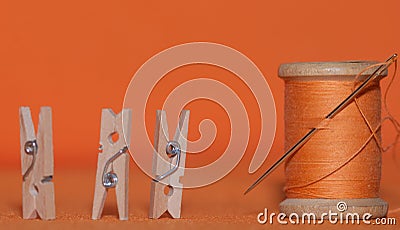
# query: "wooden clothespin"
37,165
113,162
168,166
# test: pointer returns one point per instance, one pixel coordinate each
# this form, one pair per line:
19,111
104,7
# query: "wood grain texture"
37,188
159,201
112,123
374,206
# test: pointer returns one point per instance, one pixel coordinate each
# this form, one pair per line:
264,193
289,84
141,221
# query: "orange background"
79,57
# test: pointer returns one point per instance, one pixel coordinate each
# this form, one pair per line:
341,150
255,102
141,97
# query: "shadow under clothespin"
168,166
37,165
113,162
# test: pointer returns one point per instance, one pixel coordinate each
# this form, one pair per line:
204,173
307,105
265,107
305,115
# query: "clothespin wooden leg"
121,168
166,189
175,200
37,165
28,202
161,164
100,192
113,162
46,206
46,203
27,133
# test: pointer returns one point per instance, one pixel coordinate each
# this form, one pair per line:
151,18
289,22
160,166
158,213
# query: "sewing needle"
332,114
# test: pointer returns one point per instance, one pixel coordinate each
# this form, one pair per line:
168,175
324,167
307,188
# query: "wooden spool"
328,71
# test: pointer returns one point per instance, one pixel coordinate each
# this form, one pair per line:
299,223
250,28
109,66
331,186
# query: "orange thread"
343,160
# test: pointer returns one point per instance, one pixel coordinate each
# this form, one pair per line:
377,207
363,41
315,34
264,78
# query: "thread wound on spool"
334,144
343,160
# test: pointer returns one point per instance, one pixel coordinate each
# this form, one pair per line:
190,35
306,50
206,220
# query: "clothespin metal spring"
30,148
172,149
110,179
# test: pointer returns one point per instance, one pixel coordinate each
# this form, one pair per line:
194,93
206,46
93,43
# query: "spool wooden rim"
374,206
344,70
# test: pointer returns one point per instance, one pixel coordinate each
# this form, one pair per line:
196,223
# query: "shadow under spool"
317,177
